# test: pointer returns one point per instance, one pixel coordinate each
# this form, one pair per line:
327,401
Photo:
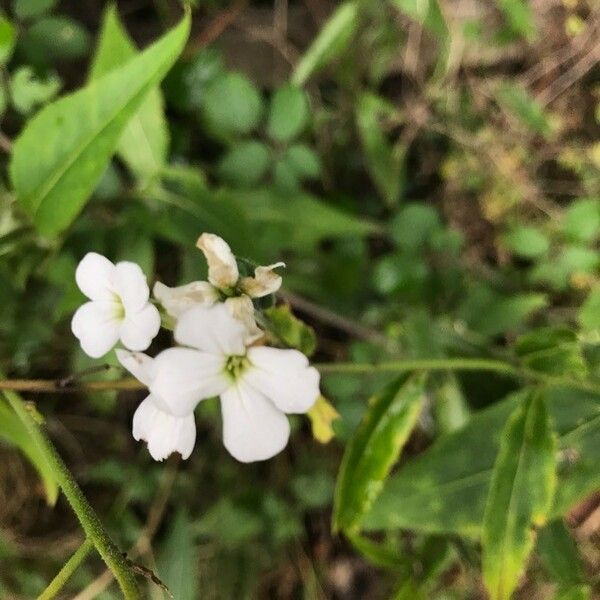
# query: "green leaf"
414,225
232,105
577,592
519,15
559,555
145,140
582,220
527,242
375,448
303,161
177,563
384,163
8,38
13,432
589,313
25,9
55,38
289,113
287,328
444,489
28,91
303,220
426,12
246,164
517,100
492,314
81,131
519,497
331,41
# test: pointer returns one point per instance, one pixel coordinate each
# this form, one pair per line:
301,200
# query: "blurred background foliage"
430,172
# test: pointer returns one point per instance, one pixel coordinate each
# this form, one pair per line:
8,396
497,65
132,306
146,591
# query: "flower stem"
459,364
67,570
399,366
89,520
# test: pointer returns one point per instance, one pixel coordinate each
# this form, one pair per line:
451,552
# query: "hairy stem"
67,570
398,366
89,520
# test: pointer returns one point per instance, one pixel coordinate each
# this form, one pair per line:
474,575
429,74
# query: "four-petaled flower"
118,306
224,283
257,386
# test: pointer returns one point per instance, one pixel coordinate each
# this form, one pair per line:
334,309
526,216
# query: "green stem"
89,520
67,570
459,364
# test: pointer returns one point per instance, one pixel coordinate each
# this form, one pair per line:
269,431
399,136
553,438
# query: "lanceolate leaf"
63,151
444,489
145,141
13,432
332,40
375,448
519,497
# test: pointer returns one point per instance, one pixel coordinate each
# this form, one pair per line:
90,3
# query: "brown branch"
47,386
216,27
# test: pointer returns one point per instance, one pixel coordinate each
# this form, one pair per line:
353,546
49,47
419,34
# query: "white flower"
118,307
223,283
256,385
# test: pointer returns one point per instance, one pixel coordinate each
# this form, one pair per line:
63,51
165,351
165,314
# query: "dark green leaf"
517,100
384,163
289,113
303,161
24,9
559,555
13,431
245,164
55,38
520,495
445,488
375,447
232,104
177,564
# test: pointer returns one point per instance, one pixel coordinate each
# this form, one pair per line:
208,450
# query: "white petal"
284,376
222,268
242,309
94,276
164,433
253,428
96,325
140,365
264,282
177,300
211,329
183,377
131,285
140,328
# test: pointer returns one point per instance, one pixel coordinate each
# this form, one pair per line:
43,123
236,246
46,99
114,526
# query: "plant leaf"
331,41
80,132
177,564
145,140
444,489
13,431
375,447
384,163
519,497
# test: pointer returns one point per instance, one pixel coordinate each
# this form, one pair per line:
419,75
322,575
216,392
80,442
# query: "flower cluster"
219,353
